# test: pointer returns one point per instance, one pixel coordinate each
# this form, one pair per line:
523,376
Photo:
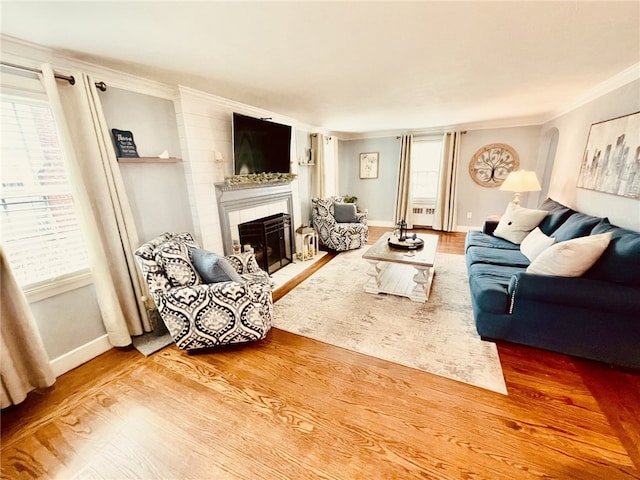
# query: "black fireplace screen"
271,239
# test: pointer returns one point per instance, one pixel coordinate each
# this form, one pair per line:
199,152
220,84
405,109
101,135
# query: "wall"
479,201
303,145
377,195
205,127
573,132
157,192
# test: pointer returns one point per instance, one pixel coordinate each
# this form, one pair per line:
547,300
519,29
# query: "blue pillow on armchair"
213,268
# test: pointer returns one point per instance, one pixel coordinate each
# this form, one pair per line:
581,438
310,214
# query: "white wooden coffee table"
408,273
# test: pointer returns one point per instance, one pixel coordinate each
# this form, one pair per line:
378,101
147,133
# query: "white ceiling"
355,66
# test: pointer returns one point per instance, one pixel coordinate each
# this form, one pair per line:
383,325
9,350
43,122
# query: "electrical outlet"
469,215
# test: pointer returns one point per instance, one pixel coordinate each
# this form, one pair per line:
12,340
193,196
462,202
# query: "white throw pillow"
571,258
517,222
535,243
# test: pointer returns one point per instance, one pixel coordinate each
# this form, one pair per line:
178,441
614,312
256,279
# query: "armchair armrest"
244,262
362,217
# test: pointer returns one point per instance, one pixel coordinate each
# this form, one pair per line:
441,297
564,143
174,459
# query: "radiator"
423,214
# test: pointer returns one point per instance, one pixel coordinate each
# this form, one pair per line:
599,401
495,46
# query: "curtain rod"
69,78
462,132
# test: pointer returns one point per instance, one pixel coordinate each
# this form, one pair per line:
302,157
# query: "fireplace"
271,239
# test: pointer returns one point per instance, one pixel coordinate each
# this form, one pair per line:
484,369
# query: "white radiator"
423,214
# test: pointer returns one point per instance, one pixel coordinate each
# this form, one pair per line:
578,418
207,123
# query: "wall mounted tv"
260,146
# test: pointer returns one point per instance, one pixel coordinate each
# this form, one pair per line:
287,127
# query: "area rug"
438,337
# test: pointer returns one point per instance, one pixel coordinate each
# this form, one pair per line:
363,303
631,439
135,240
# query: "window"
40,230
425,169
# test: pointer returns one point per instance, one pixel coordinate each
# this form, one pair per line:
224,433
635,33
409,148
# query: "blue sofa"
594,316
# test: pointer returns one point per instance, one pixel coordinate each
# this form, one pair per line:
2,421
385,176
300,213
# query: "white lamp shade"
521,181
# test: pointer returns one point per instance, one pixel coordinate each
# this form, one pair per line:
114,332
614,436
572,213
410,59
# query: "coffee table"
391,269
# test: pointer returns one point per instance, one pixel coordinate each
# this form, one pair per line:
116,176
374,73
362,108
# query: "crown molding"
31,55
623,78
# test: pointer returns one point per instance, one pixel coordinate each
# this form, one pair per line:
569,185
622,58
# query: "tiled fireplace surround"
241,203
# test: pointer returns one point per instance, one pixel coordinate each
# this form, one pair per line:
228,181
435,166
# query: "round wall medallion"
491,164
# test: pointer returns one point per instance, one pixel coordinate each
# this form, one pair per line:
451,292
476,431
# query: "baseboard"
80,355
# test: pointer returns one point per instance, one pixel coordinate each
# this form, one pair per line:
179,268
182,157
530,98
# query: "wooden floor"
294,408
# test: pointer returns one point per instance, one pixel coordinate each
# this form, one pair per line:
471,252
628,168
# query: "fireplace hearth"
271,239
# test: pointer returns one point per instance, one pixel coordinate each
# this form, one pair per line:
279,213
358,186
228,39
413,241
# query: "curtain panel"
446,204
404,205
107,219
318,188
25,363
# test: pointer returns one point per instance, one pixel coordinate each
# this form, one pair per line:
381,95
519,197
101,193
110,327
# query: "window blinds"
40,230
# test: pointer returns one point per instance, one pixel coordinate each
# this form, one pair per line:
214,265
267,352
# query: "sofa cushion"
213,268
557,215
517,222
535,243
571,258
494,256
478,239
577,225
345,212
174,258
620,262
489,284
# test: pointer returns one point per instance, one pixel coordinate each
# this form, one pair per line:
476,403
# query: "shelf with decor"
148,160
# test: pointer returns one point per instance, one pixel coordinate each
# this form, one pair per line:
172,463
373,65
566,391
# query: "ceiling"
355,66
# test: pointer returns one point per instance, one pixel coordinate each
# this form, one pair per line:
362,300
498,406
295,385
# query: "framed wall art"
611,161
491,164
369,165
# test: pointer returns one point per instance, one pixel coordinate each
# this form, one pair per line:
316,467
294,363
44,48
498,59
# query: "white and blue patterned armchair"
201,315
340,227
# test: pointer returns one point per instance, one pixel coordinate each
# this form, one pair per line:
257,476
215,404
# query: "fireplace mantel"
238,197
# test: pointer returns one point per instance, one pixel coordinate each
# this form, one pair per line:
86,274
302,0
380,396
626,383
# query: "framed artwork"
490,165
611,161
369,165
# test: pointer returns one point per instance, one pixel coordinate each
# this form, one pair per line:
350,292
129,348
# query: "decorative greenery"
261,178
352,199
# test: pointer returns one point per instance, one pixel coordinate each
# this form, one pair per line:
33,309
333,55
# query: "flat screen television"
260,146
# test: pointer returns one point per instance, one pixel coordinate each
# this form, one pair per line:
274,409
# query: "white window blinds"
40,232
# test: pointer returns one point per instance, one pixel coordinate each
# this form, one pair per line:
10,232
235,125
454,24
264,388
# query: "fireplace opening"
271,239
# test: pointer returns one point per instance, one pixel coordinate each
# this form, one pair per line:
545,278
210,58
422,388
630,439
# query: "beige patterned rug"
438,337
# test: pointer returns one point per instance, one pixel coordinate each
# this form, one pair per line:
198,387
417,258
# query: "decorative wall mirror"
491,164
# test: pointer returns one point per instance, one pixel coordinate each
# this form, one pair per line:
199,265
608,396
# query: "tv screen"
260,146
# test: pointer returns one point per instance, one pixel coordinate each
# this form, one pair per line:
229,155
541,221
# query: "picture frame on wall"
611,161
369,165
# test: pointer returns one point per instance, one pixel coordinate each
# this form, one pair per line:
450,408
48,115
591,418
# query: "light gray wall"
480,201
157,192
68,321
573,131
377,195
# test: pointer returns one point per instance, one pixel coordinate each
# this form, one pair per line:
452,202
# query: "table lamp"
520,181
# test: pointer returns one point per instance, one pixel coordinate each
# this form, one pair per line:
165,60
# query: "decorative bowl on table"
409,242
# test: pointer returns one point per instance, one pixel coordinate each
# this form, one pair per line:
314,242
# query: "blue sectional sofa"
594,316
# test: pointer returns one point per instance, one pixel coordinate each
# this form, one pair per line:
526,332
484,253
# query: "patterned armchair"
338,234
200,315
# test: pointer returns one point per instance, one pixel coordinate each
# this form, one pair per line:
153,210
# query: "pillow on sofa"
535,243
517,222
557,215
577,225
345,212
571,258
213,268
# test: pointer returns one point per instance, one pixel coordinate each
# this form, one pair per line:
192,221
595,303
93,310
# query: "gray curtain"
404,207
446,204
25,364
102,201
